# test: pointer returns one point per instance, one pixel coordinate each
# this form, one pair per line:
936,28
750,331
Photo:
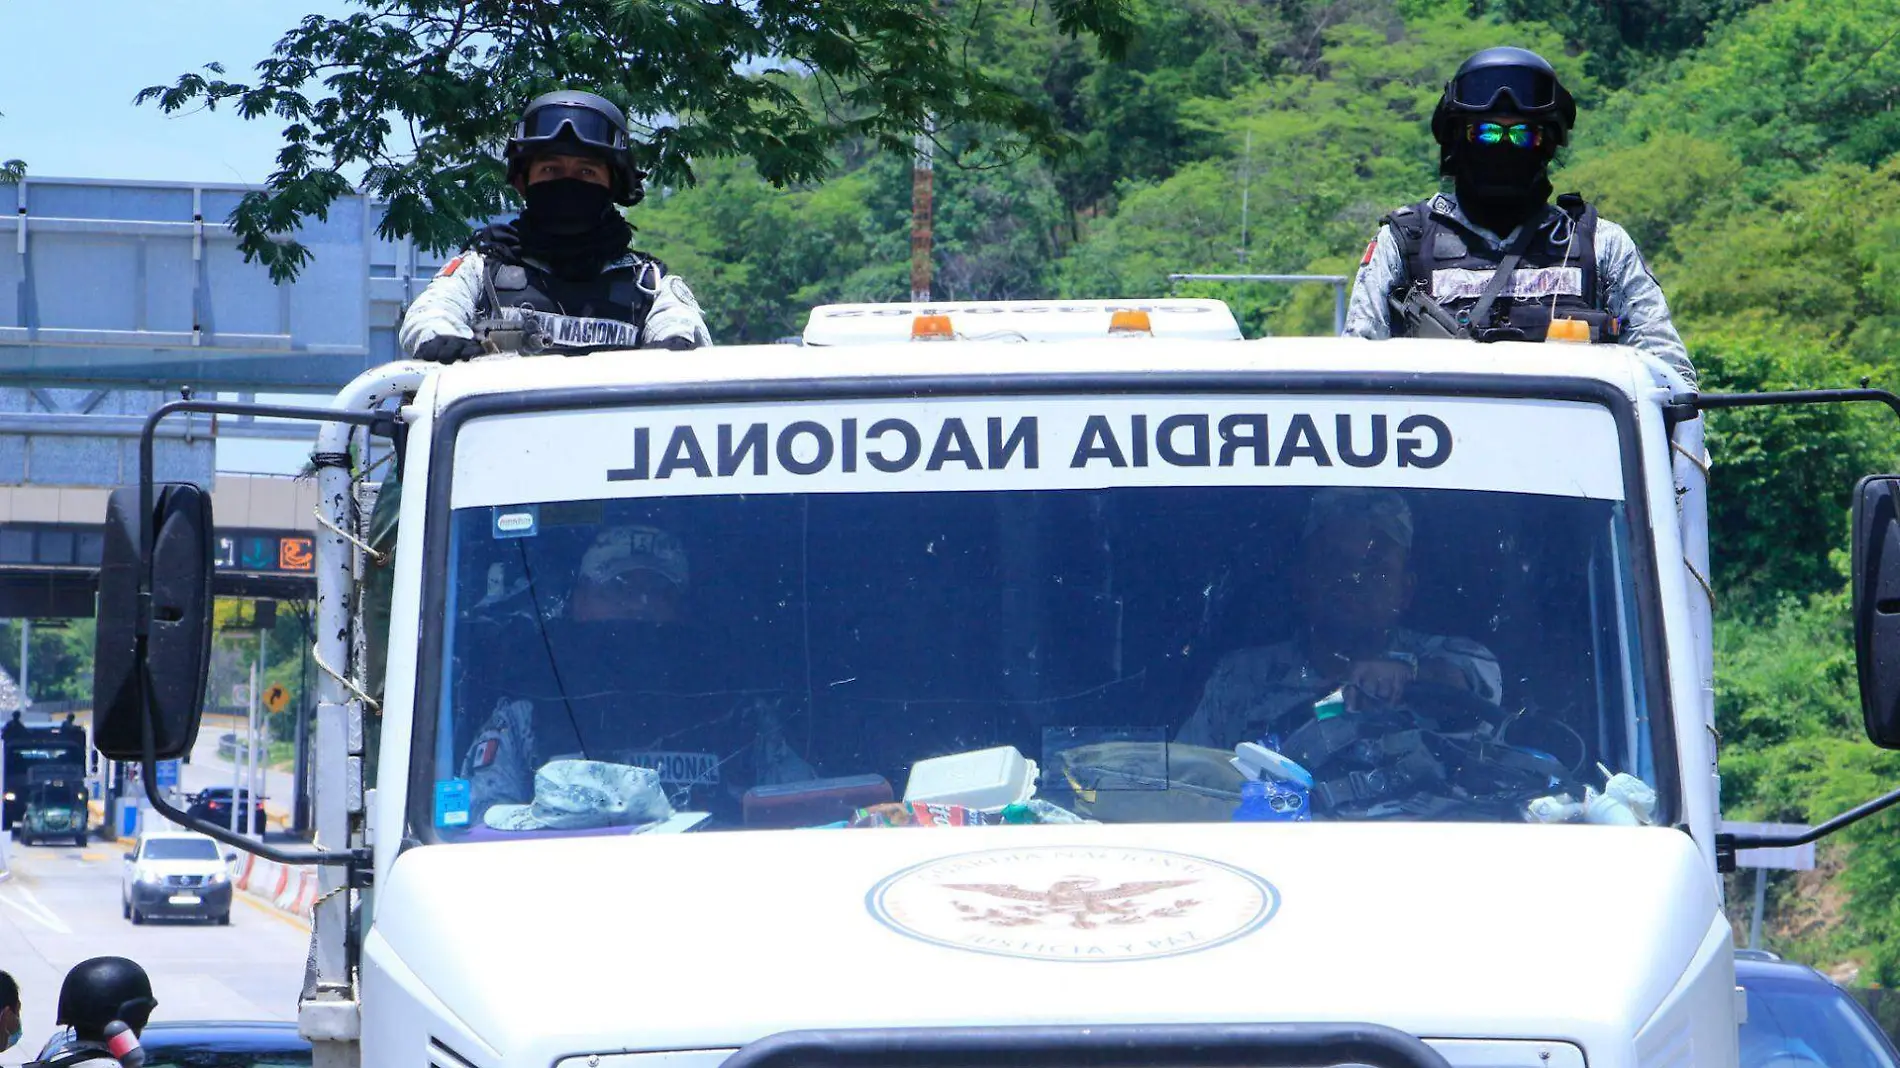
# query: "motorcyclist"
1353,586
567,258
610,674
1495,259
97,995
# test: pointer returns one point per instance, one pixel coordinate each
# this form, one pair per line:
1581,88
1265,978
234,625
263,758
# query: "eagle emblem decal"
1074,903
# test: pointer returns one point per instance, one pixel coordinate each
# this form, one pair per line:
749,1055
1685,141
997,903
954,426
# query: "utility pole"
257,682
922,161
237,761
26,638
1246,187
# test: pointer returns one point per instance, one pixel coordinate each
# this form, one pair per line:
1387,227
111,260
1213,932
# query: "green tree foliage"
1794,750
60,652
1623,40
418,95
1320,157
12,171
1789,87
1783,477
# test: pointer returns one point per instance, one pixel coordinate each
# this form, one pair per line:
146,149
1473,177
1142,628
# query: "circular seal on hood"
1074,903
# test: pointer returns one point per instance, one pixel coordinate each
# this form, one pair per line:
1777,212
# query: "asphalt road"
61,906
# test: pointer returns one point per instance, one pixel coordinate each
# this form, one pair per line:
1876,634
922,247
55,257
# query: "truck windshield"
1123,653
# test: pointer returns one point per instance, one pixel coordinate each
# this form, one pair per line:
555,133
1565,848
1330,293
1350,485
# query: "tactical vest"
1447,261
605,311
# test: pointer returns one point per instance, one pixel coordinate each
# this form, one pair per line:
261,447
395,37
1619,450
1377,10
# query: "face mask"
1505,172
567,205
13,1036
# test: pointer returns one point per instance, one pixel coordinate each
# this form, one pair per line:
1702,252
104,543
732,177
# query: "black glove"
448,348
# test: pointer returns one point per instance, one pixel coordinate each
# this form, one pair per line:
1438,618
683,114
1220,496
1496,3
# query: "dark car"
214,804
54,810
219,1044
1798,1018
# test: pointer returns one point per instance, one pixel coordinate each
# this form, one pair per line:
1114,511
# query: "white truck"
1117,701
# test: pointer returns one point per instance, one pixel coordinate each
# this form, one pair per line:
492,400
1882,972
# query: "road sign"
297,554
266,552
276,697
1791,858
168,774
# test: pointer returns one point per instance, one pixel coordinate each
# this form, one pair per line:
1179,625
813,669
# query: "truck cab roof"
984,363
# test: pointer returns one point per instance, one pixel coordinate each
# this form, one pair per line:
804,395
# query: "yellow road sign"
276,697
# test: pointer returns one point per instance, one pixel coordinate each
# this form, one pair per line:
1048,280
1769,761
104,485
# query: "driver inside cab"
1352,587
608,675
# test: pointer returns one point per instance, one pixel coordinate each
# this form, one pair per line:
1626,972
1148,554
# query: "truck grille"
184,880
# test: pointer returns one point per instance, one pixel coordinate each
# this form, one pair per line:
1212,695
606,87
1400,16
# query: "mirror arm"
1704,402
384,422
352,859
1726,845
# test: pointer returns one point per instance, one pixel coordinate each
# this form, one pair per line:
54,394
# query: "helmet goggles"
554,122
1519,135
1484,89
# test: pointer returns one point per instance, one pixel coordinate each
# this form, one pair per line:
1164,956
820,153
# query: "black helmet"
1504,79
103,989
588,122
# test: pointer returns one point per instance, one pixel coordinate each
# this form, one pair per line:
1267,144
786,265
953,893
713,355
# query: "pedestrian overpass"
142,283
51,539
117,295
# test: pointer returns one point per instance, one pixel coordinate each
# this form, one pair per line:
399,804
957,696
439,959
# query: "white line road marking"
18,898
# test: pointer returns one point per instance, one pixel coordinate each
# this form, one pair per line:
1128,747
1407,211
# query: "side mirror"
169,685
230,858
1877,605
128,856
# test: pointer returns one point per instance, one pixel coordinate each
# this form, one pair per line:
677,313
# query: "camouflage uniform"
1253,692
1633,294
501,764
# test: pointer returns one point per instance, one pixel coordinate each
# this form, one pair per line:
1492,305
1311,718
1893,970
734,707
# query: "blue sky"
73,67
66,108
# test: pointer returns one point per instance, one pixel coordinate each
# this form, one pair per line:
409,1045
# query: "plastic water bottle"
1254,805
1268,801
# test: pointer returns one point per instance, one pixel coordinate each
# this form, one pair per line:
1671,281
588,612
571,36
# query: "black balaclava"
572,226
1500,186
564,207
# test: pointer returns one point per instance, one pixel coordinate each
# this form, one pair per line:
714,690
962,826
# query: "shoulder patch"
449,267
681,292
1371,247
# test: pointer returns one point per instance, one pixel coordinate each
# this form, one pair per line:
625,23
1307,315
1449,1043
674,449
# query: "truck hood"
707,941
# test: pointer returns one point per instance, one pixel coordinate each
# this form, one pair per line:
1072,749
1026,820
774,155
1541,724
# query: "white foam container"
986,779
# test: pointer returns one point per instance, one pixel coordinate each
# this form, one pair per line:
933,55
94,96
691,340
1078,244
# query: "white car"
176,873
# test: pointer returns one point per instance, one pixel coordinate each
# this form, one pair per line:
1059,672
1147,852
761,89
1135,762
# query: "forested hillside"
1748,147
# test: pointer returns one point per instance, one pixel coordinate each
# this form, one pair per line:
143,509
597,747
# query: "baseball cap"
571,794
620,549
1385,509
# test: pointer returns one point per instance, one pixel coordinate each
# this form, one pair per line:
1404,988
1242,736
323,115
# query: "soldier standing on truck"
606,674
567,259
1496,260
561,276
